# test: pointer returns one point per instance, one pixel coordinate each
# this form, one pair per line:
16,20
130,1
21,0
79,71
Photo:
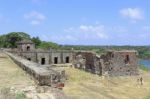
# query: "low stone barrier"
43,75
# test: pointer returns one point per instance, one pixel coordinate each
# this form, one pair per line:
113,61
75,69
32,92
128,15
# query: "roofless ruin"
35,62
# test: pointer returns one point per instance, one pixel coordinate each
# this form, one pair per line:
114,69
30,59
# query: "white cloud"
59,38
90,28
89,31
35,17
84,28
35,22
133,14
100,35
97,31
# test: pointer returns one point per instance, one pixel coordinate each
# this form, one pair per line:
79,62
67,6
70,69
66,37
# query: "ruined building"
115,63
27,50
37,63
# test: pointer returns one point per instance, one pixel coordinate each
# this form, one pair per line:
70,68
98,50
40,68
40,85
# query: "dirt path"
11,75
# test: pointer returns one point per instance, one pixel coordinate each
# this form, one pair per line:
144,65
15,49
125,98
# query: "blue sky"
86,22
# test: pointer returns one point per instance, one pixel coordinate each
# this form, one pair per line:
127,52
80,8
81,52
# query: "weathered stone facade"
26,45
43,75
113,62
27,50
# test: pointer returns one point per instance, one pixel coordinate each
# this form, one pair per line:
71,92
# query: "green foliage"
48,45
37,41
20,95
143,67
9,40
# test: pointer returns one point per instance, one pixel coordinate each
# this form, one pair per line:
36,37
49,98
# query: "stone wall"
41,74
121,63
46,57
23,47
29,56
115,63
43,58
87,61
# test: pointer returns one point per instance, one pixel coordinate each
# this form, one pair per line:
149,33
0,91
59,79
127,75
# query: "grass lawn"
83,85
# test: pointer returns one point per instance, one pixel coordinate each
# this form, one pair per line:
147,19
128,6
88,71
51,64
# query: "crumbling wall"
115,63
23,47
121,63
45,56
41,74
31,56
65,55
48,57
88,61
56,57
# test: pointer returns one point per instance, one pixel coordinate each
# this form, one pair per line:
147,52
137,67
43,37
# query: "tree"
10,39
37,41
48,45
14,37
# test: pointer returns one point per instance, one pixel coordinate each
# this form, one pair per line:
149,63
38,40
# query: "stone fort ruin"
35,61
27,50
115,63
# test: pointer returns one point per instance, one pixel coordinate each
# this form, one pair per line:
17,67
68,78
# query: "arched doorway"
28,48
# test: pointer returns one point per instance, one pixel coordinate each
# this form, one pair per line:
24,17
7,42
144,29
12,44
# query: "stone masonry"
115,63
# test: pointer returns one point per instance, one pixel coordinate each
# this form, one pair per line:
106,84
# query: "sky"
79,22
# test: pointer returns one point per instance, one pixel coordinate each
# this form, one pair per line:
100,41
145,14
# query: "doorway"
42,61
55,60
28,48
29,59
67,59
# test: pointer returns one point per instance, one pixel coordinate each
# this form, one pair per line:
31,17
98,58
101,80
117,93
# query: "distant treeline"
143,51
10,41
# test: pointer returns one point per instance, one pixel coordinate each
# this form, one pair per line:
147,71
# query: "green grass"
20,95
147,97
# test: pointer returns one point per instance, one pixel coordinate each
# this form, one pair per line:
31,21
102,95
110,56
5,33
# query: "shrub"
20,95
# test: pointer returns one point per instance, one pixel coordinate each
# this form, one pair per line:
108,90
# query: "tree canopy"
10,41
